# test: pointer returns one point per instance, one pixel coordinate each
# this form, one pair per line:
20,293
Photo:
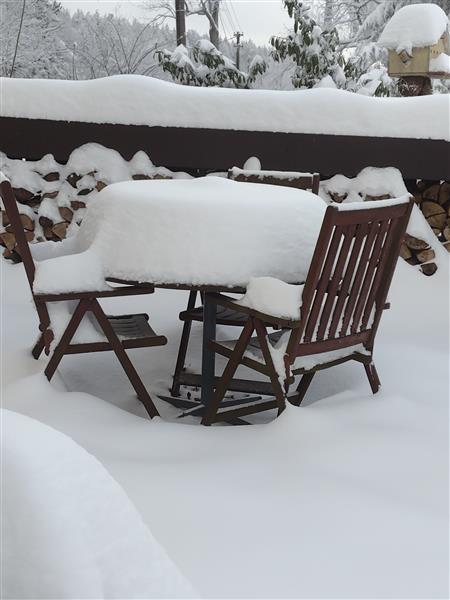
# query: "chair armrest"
228,302
113,292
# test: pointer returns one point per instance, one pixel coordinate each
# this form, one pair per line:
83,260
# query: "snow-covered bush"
314,51
204,65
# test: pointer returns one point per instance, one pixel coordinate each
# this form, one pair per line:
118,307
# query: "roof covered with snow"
416,25
139,100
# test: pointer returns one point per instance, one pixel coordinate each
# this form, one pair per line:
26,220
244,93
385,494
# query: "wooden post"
180,15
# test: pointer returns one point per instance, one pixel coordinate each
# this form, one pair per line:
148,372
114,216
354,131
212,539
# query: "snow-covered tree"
29,39
314,51
204,65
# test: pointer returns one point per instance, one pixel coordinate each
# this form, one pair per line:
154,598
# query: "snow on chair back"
301,181
349,277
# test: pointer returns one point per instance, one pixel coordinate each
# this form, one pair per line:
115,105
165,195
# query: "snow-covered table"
209,234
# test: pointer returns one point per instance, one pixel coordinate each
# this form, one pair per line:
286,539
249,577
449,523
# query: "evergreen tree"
206,66
313,50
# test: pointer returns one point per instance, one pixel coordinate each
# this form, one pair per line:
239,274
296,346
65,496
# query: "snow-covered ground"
345,497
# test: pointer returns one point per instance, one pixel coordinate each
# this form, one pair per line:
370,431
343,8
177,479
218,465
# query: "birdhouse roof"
414,26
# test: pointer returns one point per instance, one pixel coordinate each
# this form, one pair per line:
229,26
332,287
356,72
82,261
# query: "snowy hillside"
138,100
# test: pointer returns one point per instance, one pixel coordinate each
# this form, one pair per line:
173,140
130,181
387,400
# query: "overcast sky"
257,19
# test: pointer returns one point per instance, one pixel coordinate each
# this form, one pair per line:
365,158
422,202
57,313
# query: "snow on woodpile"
422,242
201,231
139,100
414,26
69,530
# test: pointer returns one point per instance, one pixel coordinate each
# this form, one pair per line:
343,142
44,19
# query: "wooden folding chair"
121,332
342,302
228,316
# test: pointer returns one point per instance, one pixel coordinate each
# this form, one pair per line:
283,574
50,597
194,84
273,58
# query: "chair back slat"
369,274
333,288
301,181
357,277
358,239
349,277
323,284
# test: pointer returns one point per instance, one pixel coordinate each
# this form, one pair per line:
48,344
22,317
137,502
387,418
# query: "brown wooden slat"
361,232
335,281
225,415
358,276
323,284
368,277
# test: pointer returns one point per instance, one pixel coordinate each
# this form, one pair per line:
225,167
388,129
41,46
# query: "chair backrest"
12,211
349,276
301,181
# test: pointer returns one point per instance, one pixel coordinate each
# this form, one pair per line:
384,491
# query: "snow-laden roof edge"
414,26
139,100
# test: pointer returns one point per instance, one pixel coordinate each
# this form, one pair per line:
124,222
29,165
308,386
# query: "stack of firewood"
51,203
433,199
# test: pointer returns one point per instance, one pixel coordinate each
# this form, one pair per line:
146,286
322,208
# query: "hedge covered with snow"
139,100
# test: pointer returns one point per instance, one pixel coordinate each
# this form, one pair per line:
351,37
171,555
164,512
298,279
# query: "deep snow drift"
345,497
139,100
68,529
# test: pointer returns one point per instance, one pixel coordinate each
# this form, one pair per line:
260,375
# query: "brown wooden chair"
229,316
120,333
342,301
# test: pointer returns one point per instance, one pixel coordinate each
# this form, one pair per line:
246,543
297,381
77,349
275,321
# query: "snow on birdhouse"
417,37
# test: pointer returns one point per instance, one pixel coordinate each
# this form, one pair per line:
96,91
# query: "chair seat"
224,316
302,363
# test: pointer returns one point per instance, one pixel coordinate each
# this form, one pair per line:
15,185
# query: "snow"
257,172
273,297
69,530
440,64
139,100
345,497
252,164
180,232
415,25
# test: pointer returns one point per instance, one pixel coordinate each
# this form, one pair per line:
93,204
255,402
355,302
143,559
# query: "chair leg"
66,337
184,342
302,388
227,375
126,363
38,347
274,378
372,376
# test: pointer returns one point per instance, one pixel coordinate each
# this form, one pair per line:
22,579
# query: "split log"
405,252
27,222
45,223
85,191
53,176
76,204
414,243
446,233
444,193
426,255
66,213
8,239
432,193
12,255
73,179
50,194
23,195
447,246
60,230
382,197
5,220
139,177
100,185
434,214
429,269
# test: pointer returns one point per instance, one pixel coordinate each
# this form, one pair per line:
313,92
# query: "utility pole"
180,18
238,36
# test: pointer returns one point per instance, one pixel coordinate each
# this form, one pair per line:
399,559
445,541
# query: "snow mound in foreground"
69,530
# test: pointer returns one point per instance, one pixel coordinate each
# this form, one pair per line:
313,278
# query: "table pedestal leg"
208,356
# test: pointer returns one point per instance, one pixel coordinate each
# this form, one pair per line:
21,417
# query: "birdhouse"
418,41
